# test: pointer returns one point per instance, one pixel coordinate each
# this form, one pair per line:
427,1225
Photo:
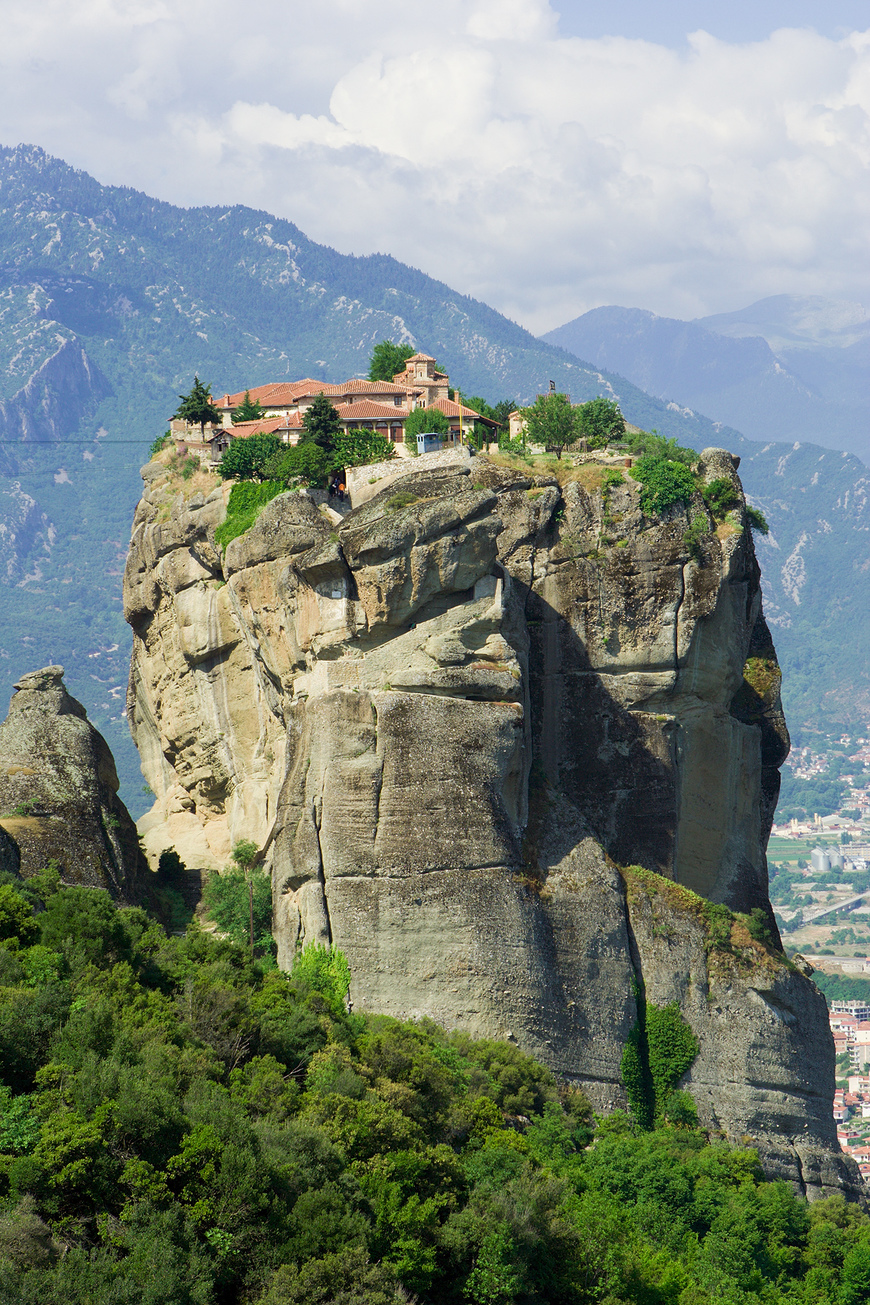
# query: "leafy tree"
645,443
321,424
346,1276
552,421
388,359
249,458
304,463
197,407
424,420
240,900
600,421
248,410
16,916
324,970
357,448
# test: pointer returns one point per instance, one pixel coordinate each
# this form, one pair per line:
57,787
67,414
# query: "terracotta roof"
265,426
285,393
275,394
365,409
452,409
372,387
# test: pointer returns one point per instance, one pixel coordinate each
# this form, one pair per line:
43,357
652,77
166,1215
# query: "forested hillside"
182,1123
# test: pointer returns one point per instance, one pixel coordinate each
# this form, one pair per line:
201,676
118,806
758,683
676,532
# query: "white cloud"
542,174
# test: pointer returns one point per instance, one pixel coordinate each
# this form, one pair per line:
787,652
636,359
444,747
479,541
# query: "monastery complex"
382,406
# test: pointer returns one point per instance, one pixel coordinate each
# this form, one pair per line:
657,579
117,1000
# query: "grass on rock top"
247,500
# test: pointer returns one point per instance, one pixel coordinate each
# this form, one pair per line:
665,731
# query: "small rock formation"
453,723
59,792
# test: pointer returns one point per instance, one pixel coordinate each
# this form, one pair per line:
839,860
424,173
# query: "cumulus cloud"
541,173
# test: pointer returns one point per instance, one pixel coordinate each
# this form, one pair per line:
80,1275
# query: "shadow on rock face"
59,791
453,723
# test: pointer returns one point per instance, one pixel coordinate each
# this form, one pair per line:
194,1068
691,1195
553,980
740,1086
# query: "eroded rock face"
59,793
449,720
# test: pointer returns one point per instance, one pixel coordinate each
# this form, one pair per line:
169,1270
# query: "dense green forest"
182,1124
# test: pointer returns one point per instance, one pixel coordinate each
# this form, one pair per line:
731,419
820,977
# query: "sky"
688,158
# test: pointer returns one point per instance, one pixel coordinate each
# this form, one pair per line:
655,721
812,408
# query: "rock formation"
59,792
454,722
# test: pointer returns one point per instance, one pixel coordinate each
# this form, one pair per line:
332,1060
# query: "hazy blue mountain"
110,301
785,368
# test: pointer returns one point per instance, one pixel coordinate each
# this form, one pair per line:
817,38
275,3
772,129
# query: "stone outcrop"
59,793
452,721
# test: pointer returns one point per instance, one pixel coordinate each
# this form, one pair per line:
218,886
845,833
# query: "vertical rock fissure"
681,598
317,817
379,780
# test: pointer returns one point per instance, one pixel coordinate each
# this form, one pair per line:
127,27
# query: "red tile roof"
372,387
284,394
276,394
265,426
366,410
452,409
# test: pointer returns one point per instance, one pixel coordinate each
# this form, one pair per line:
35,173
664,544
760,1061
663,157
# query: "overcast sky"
546,158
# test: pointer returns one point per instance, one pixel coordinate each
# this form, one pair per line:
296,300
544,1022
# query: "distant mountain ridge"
111,300
784,368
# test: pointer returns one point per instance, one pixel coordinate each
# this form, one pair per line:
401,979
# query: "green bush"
757,520
644,443
720,495
162,442
693,537
401,500
358,448
247,500
324,970
664,484
424,420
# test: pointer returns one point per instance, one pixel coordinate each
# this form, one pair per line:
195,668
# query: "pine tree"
321,424
248,410
197,406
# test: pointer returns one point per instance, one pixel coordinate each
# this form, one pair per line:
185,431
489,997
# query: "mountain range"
110,301
785,368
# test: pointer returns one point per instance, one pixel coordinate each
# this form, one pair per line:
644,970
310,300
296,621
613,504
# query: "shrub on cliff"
664,484
246,502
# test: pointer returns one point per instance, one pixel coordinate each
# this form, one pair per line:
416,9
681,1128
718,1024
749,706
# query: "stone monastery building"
382,406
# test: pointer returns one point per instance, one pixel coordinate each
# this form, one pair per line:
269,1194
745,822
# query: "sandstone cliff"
451,721
59,793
